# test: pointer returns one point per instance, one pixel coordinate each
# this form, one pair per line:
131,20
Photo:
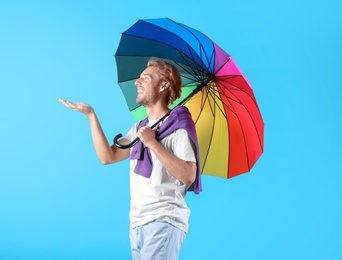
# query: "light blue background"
58,202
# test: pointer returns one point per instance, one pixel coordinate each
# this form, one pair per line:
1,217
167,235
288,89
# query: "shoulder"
181,138
131,135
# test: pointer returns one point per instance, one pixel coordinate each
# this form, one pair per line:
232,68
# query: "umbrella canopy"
228,122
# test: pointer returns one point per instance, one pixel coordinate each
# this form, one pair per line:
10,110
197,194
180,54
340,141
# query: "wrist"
153,145
91,114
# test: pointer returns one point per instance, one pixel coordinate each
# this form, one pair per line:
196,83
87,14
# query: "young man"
164,165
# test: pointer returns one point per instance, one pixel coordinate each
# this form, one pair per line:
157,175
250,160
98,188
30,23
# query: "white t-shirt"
161,197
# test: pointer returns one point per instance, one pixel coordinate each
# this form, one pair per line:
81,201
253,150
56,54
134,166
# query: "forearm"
104,151
178,168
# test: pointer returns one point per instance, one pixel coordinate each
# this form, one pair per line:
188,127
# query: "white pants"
156,241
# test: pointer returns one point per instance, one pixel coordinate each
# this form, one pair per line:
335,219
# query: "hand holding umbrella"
147,135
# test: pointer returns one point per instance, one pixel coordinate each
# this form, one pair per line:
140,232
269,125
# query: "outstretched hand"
80,107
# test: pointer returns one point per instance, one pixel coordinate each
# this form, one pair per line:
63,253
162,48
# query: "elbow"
106,161
191,176
190,180
188,183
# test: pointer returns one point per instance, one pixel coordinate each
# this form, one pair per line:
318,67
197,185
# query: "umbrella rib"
230,90
192,72
252,118
212,94
144,56
203,69
203,101
181,25
223,64
215,96
200,43
233,88
215,93
213,106
237,100
198,68
226,80
163,43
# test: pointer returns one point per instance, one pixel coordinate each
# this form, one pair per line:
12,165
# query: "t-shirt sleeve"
131,135
183,146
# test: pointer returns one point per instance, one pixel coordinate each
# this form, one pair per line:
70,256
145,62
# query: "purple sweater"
179,117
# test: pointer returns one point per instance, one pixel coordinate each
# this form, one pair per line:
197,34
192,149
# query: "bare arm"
106,153
180,169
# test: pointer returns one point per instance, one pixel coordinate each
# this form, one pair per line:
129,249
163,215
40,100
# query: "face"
148,87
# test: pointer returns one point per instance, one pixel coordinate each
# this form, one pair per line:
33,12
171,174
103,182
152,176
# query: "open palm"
80,106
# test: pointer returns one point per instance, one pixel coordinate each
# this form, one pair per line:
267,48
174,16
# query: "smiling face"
148,87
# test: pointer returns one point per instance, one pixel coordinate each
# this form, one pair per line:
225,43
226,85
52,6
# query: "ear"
165,85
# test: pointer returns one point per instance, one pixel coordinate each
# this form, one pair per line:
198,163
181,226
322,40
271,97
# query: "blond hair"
167,72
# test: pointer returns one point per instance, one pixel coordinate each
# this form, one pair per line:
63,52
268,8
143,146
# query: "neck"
157,112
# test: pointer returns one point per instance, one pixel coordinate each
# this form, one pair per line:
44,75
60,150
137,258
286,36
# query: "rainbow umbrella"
229,125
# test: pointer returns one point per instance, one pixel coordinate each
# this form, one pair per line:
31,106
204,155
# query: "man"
164,165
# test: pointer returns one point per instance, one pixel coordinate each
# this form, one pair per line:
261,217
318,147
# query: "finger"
145,128
156,128
67,103
63,101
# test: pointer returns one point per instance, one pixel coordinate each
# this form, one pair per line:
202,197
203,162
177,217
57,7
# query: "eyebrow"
147,74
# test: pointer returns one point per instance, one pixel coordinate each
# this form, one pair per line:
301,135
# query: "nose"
137,82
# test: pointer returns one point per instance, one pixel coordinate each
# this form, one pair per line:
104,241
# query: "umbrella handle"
124,146
130,145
